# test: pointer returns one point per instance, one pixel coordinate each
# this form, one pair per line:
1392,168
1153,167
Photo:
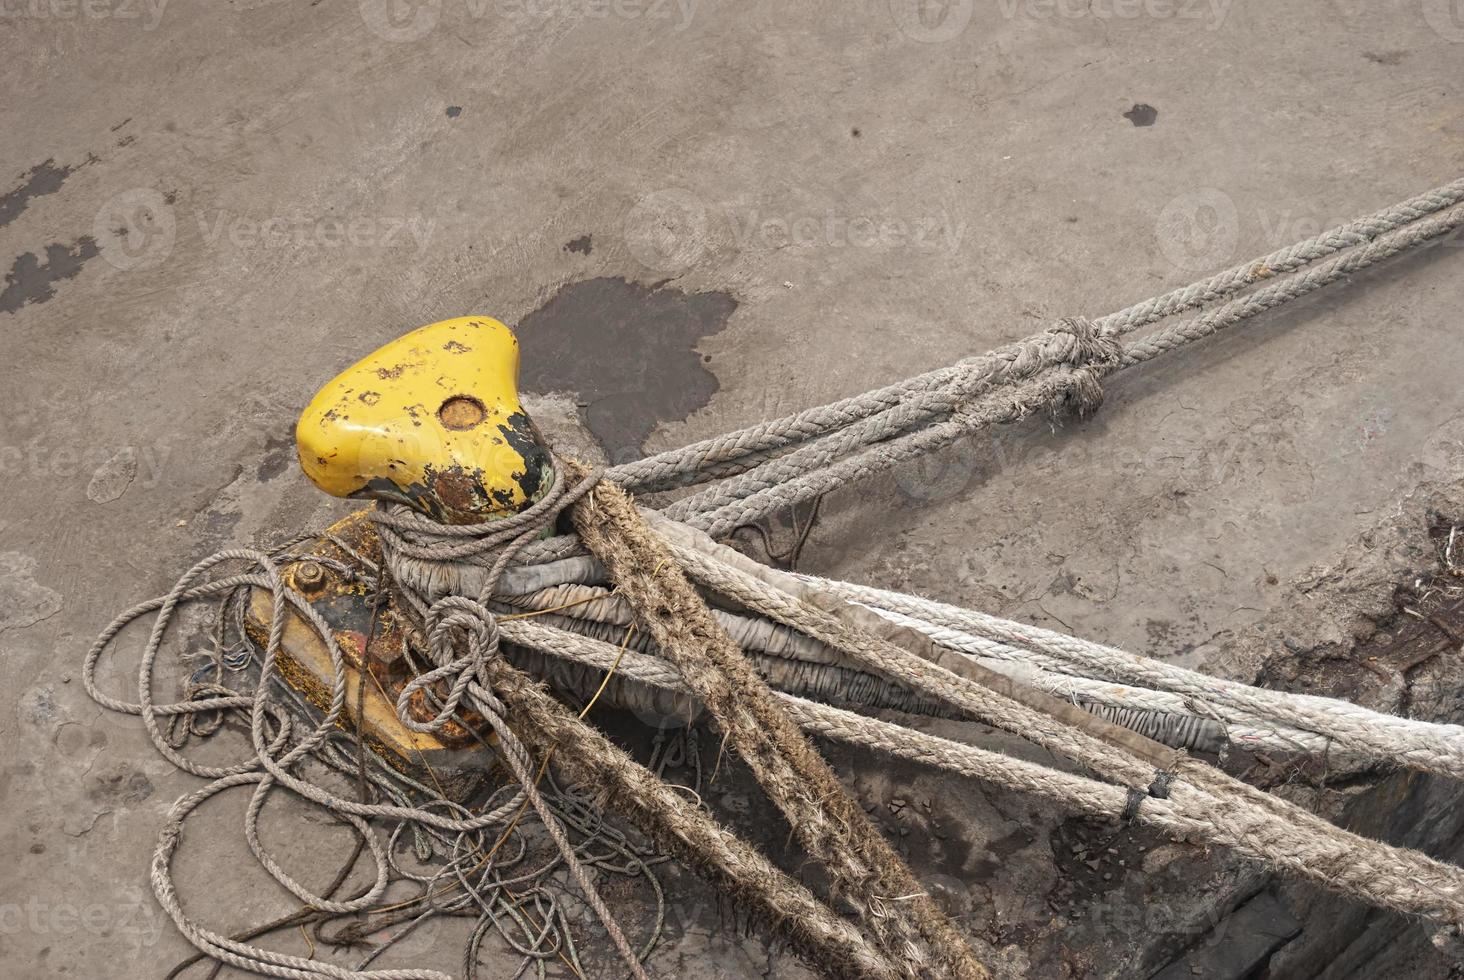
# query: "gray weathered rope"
824,938
1077,669
1074,345
899,422
462,634
268,769
1392,876
884,441
463,664
1254,717
1427,746
1203,803
726,454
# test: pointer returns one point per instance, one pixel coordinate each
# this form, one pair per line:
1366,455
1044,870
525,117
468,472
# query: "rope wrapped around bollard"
657,563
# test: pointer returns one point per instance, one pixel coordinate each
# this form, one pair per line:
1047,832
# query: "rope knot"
1089,344
1087,355
462,635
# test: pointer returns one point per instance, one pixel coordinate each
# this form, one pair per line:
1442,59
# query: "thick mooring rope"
864,870
1223,809
1063,385
1194,806
682,625
932,652
731,452
768,467
1374,735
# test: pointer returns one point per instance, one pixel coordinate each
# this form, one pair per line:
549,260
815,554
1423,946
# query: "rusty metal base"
331,573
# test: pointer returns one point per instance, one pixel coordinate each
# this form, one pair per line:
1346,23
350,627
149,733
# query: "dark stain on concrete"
30,280
278,455
1385,57
453,111
119,786
43,178
628,350
582,245
1142,114
212,528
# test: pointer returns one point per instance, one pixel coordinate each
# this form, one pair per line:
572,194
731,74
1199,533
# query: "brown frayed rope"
863,868
681,828
462,639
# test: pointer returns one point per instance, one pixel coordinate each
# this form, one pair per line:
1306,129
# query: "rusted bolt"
309,576
462,412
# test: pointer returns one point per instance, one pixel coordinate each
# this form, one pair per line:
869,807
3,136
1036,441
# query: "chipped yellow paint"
431,419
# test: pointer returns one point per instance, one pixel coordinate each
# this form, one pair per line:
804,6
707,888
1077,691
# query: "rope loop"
449,620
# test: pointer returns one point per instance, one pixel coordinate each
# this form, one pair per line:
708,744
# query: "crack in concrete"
24,602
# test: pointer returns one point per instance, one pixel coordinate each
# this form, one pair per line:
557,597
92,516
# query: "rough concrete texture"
209,209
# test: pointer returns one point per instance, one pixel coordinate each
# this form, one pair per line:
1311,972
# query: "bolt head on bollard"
308,577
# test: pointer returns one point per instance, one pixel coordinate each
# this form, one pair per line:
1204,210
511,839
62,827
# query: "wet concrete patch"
628,351
30,280
278,455
43,178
